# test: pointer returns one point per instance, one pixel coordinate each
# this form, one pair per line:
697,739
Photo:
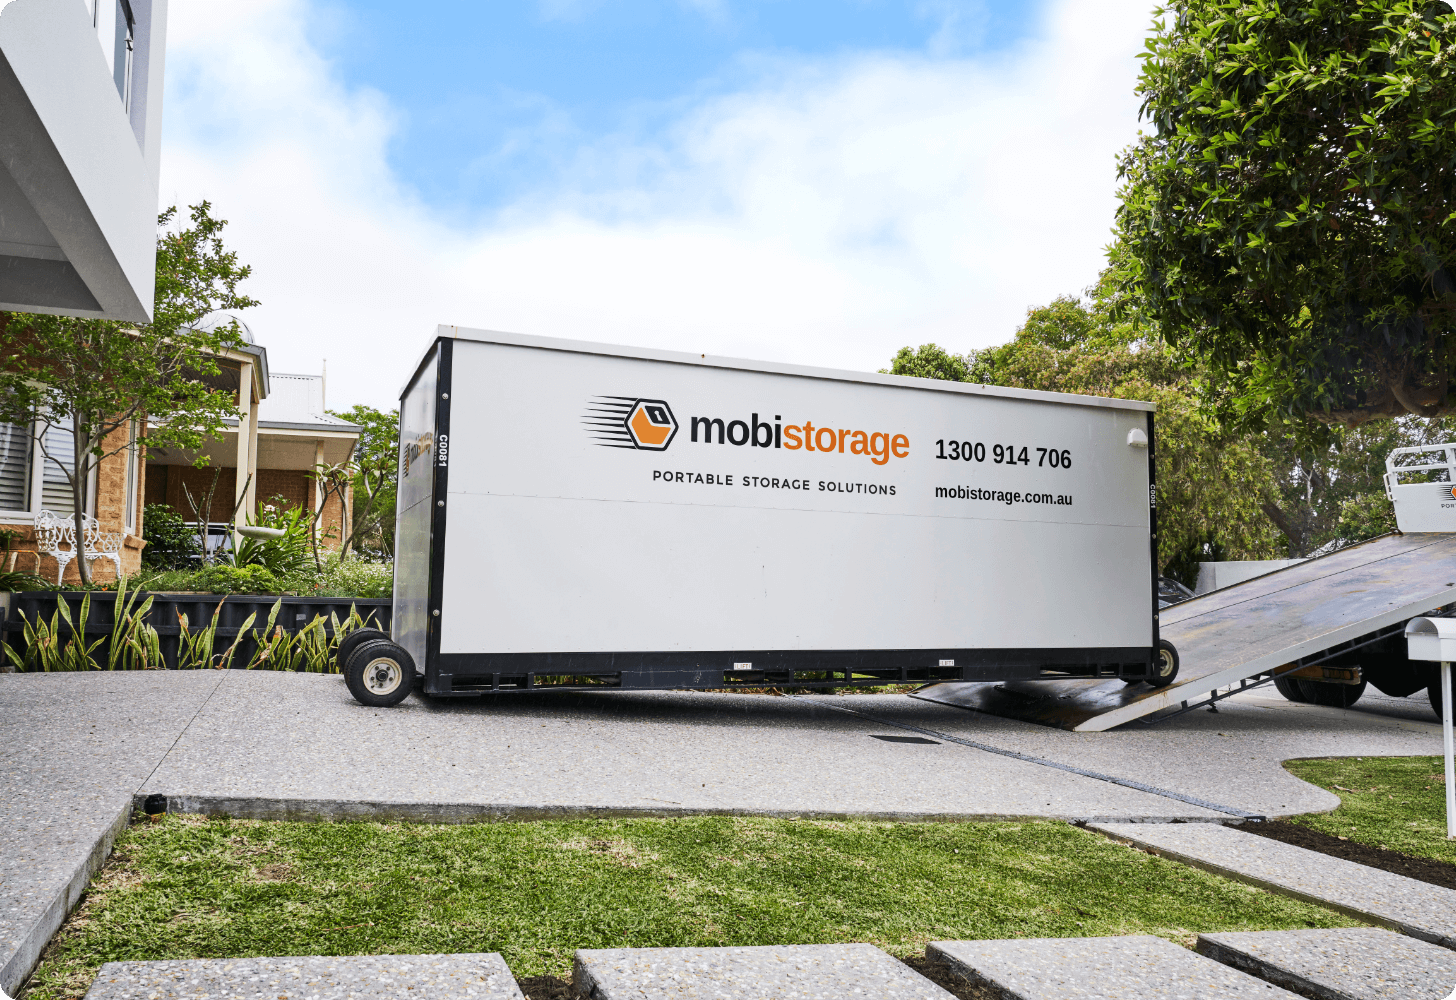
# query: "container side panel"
551,575
617,503
412,519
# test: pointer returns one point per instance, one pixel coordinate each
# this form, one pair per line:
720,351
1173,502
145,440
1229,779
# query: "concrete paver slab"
355,977
820,971
1351,963
1108,968
76,746
1416,908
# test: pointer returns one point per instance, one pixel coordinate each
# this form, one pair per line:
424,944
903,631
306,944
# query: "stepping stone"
1108,968
810,971
355,977
1352,963
1419,909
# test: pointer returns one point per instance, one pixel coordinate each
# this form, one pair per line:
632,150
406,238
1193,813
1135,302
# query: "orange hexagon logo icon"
626,422
651,425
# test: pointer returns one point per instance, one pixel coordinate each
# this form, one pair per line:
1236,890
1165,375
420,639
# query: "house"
287,434
281,433
80,149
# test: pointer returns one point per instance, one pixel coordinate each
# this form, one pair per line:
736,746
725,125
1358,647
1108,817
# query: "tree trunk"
1283,524
79,467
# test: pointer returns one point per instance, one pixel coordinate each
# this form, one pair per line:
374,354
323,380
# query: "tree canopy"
1290,217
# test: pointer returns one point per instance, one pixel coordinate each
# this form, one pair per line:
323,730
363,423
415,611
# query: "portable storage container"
1421,484
575,515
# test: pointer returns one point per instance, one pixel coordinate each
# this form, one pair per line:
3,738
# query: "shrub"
171,541
351,577
225,579
23,581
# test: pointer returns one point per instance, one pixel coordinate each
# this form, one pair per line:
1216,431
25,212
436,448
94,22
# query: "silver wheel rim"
1165,663
382,676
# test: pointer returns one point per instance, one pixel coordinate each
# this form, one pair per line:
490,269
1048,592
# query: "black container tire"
380,674
1433,692
1330,694
1289,688
1165,666
353,641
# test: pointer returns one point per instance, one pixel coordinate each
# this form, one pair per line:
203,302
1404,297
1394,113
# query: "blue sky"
817,182
495,96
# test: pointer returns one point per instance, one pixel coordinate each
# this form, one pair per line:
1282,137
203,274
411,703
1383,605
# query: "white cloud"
834,213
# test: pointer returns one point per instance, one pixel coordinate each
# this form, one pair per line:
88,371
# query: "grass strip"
190,887
1394,803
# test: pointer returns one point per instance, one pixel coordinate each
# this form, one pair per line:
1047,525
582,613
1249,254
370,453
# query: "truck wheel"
1331,695
1433,692
380,674
353,641
1165,665
1289,688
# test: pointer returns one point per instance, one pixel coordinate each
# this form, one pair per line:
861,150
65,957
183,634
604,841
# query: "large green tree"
98,378
1289,217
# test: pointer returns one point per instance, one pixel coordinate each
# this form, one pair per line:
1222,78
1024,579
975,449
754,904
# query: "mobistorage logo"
649,425
877,446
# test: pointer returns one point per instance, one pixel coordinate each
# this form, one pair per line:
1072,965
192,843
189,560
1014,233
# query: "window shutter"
55,488
14,466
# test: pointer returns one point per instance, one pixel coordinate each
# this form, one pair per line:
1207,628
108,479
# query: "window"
15,475
115,29
121,62
29,480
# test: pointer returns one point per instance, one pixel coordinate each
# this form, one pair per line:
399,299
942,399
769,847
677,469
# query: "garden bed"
132,630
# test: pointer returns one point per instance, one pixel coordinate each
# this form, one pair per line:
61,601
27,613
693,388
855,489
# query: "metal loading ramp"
1240,632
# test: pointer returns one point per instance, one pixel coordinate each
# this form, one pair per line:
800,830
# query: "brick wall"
165,485
165,482
292,485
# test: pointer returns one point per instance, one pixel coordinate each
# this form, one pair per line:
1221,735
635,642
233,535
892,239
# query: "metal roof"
297,402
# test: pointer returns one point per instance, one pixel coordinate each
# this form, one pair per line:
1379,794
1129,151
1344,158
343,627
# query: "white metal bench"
52,531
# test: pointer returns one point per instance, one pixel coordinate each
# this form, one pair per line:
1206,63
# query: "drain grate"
905,739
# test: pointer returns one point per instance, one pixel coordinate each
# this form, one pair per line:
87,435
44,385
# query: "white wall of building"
79,156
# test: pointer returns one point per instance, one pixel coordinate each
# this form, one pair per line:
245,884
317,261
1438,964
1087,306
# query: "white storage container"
581,515
1420,481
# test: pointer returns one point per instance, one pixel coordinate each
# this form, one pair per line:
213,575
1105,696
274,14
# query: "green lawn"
1394,802
190,887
